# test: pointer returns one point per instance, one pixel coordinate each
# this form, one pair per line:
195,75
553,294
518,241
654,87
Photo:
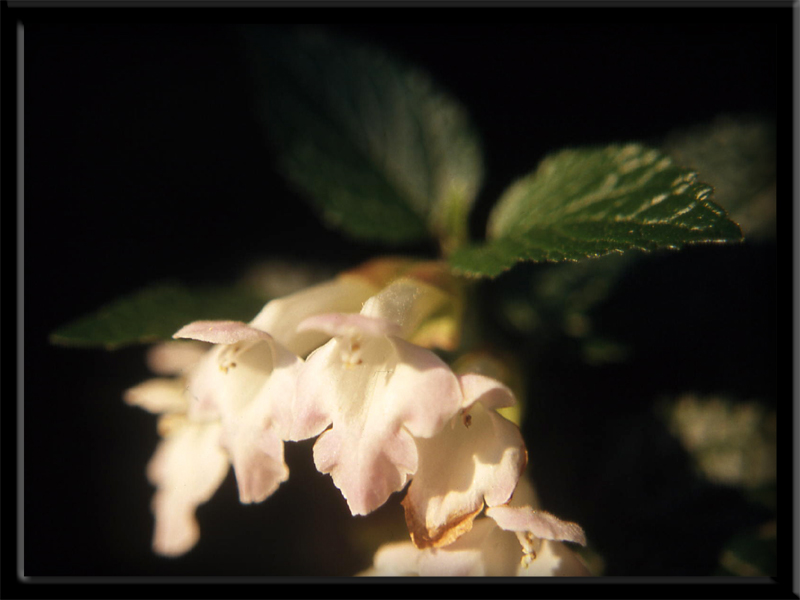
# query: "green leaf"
590,202
382,153
155,313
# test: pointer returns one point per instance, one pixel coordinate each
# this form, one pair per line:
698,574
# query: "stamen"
351,351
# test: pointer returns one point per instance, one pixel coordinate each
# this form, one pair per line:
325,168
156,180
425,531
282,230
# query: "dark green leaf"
155,313
590,202
380,151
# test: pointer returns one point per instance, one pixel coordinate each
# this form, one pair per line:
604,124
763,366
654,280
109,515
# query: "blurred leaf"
381,152
155,313
590,202
731,442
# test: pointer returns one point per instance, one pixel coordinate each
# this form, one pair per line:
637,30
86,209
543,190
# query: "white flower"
477,459
487,550
230,403
189,464
377,391
512,540
248,380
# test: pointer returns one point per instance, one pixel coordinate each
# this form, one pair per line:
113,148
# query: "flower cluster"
351,362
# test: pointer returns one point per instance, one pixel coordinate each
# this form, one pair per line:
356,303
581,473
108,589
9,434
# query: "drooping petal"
477,459
159,395
539,523
313,405
251,382
187,468
392,390
254,432
174,358
256,452
369,469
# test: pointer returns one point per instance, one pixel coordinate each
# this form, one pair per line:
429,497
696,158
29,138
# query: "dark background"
144,161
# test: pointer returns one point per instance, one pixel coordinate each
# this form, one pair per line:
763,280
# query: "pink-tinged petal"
174,358
489,392
422,390
366,469
254,432
187,468
158,396
539,523
476,459
280,317
231,375
257,457
393,390
313,410
352,325
553,559
220,332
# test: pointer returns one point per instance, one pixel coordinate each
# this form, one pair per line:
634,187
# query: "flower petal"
393,390
485,551
256,452
540,523
313,410
339,324
367,470
486,390
423,390
254,432
477,459
174,358
159,395
280,317
250,380
187,468
398,559
220,332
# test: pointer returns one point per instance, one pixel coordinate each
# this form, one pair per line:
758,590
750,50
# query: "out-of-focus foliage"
155,313
379,150
732,443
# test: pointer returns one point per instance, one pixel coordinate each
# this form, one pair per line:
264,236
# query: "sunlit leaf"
590,202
